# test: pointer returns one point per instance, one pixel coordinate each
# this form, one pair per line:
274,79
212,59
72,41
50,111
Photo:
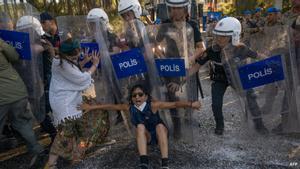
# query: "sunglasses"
138,94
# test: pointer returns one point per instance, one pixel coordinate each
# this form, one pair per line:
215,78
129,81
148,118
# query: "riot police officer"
226,32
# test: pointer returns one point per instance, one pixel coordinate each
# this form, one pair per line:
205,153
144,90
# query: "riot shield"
16,10
294,116
134,64
27,42
261,79
97,123
173,45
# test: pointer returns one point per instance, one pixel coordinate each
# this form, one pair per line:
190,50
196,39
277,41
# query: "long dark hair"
143,88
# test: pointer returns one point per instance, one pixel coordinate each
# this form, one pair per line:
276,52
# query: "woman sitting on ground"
144,115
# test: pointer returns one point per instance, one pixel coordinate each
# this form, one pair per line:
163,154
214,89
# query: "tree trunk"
69,7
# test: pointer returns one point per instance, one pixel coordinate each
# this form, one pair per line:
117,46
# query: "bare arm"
116,107
178,104
200,55
95,56
194,69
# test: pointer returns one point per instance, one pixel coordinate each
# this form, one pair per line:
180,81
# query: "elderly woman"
67,83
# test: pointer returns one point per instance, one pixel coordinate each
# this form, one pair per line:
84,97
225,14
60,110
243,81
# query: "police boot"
260,127
219,127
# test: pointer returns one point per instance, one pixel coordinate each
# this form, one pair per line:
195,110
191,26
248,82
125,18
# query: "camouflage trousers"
76,136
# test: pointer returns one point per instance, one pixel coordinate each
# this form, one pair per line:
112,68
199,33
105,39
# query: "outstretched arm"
178,104
116,107
200,58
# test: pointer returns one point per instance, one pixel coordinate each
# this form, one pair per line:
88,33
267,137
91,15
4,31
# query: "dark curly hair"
143,88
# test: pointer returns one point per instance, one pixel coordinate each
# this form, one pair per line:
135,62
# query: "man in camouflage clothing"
248,26
258,19
273,17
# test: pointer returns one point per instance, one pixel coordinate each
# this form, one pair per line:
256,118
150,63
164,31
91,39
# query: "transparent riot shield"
136,42
173,45
294,116
16,10
87,32
134,64
261,79
26,40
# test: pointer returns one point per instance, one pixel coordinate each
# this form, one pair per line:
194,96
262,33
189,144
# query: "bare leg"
51,164
162,136
142,136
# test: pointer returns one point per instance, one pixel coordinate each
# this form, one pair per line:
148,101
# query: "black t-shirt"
197,33
217,72
238,56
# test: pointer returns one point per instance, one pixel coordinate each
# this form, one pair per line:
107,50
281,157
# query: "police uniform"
240,58
136,37
220,77
172,50
251,27
219,84
277,22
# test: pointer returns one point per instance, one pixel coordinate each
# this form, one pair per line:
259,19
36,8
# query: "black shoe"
144,166
219,131
261,129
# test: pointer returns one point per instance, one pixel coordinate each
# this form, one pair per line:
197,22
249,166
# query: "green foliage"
227,8
116,22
